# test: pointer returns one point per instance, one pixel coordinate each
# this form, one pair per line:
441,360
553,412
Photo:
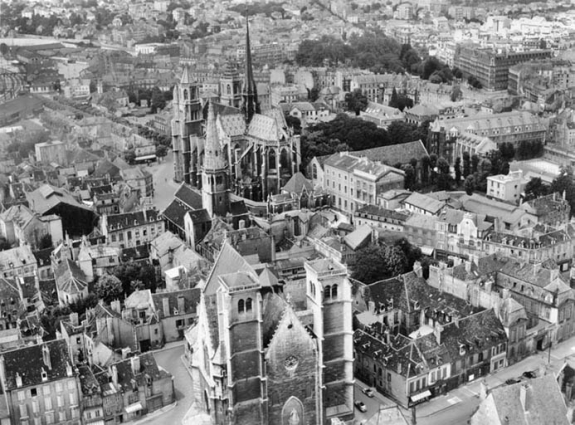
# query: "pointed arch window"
327,292
185,94
241,306
334,292
248,305
272,159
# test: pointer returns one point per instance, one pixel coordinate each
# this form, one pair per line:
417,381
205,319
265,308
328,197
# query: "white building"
507,188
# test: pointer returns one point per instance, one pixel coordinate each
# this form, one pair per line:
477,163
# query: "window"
334,292
48,403
60,401
33,392
248,305
62,415
35,406
73,401
23,411
241,307
58,387
327,292
21,396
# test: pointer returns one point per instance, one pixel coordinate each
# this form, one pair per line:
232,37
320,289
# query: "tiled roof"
358,236
373,210
424,202
70,278
47,197
16,257
175,212
148,367
273,309
28,363
199,216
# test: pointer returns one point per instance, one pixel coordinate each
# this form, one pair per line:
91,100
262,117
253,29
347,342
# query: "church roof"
297,183
186,76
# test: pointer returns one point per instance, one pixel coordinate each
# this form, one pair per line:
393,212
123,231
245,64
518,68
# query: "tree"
378,262
564,184
534,189
444,174
507,151
409,182
412,252
109,288
469,184
475,163
4,244
456,93
130,272
402,132
393,100
161,151
294,122
425,163
130,156
158,102
356,101
457,169
45,241
466,164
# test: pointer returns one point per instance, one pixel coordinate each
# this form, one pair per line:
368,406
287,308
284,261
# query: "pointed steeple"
213,156
186,76
250,105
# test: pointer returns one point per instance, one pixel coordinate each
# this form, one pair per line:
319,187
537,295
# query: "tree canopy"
380,261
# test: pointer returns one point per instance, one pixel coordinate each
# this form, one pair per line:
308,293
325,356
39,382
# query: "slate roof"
395,154
297,183
70,278
274,307
88,382
16,257
131,219
106,167
544,403
28,363
148,366
199,216
189,196
191,300
374,210
424,202
47,197
175,213
358,236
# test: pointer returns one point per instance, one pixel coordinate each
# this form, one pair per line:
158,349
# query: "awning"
146,157
100,422
134,407
420,396
427,250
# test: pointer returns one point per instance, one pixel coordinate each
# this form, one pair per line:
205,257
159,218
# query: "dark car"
360,405
368,392
512,381
530,374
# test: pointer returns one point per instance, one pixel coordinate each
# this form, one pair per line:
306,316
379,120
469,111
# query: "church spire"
251,105
213,157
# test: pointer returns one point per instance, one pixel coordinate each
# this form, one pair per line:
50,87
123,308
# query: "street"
170,360
164,185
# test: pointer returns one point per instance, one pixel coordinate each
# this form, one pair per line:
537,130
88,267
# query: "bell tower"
215,179
231,86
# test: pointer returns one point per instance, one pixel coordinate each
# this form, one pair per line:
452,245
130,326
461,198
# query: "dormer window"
44,375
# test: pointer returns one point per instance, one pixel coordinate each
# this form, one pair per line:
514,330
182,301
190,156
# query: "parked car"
530,374
360,405
512,381
368,392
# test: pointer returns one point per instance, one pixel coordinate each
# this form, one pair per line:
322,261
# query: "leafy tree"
109,288
130,156
393,101
4,244
412,252
469,184
456,93
130,272
564,184
161,151
409,177
475,163
535,189
378,262
45,241
425,164
313,94
356,101
457,169
158,102
507,151
529,149
294,122
466,164
444,174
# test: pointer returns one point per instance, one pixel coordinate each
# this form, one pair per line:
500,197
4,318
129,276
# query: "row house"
537,244
461,232
356,181
105,199
20,225
132,229
380,219
18,262
40,382
97,260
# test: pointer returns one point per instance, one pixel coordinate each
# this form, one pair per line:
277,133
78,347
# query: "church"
259,151
258,357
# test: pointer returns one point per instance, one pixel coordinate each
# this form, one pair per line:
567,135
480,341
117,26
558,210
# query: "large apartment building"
490,67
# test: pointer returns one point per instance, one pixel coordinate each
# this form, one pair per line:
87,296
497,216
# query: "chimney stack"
437,329
166,306
74,319
114,373
46,356
135,361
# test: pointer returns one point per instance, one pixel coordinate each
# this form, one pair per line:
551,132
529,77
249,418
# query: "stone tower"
215,179
231,86
186,128
329,298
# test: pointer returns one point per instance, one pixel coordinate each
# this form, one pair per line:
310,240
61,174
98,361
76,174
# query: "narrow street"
170,360
164,185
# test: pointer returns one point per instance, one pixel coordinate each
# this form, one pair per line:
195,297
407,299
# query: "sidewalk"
170,345
472,390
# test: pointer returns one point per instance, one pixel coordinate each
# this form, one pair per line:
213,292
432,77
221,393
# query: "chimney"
135,361
437,329
371,306
74,319
523,397
181,305
46,356
18,380
166,306
387,337
114,372
483,390
116,306
145,215
456,320
125,352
